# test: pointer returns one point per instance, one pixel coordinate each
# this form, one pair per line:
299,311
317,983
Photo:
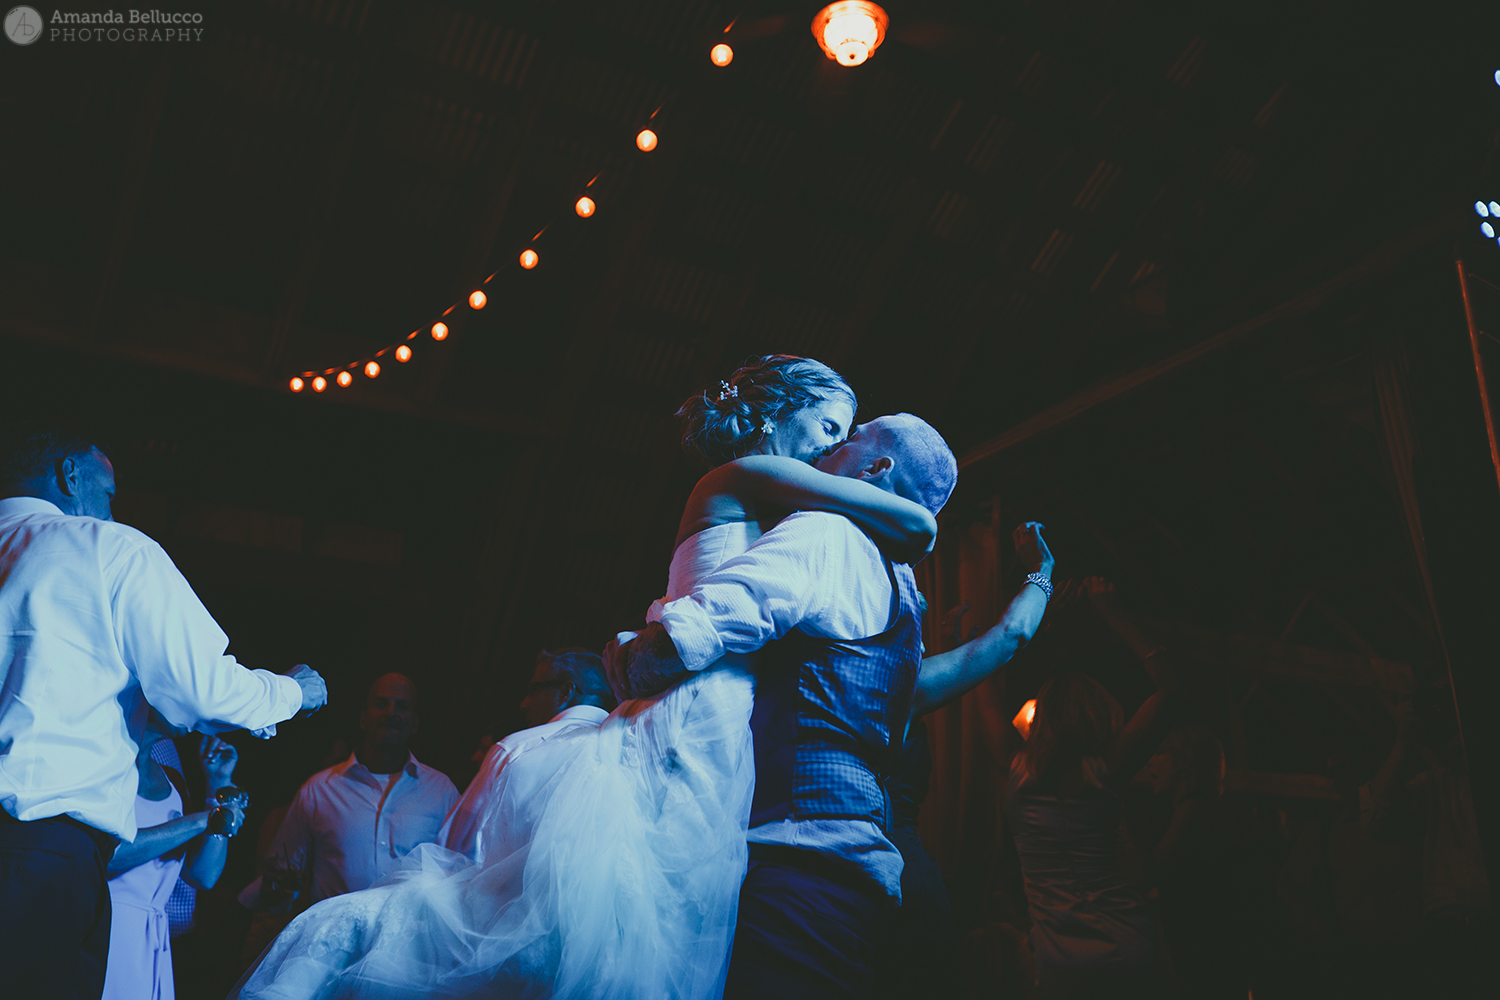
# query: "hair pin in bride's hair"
729,391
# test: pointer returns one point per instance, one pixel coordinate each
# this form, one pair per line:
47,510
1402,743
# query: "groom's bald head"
902,453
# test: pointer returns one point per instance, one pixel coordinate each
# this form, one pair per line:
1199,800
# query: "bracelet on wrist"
221,821
1041,582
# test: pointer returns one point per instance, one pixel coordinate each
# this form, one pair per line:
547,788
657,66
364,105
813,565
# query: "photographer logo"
23,25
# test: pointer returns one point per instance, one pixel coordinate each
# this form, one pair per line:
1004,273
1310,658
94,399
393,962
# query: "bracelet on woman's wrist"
1040,581
220,821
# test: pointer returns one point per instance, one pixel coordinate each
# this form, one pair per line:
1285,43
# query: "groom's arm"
798,573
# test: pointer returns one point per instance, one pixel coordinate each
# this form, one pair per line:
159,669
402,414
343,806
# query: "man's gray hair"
584,669
926,471
32,448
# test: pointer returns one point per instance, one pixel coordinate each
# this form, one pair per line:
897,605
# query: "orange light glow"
584,207
297,384
529,259
403,354
319,384
439,331
1023,718
645,141
344,379
477,299
721,55
372,368
850,31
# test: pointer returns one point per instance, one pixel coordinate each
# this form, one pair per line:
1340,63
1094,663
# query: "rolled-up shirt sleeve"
814,570
178,652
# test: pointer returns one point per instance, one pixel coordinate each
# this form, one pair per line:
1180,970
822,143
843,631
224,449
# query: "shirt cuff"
692,632
286,699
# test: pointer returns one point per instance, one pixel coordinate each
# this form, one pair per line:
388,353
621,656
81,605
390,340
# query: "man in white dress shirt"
351,824
841,674
568,692
95,623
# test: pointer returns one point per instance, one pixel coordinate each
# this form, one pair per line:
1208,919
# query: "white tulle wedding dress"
624,888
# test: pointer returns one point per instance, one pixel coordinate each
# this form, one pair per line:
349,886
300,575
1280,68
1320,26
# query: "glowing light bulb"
1495,208
721,55
1480,210
850,31
584,207
645,140
297,384
439,331
529,259
1497,76
477,299
372,368
344,379
319,384
403,354
1023,719
1487,229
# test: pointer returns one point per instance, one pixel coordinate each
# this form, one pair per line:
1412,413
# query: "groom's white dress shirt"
815,572
353,827
465,829
96,622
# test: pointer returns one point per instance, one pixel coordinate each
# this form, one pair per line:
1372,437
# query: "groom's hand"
643,666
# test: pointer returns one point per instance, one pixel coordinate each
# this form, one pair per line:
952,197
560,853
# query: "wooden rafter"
331,168
1381,261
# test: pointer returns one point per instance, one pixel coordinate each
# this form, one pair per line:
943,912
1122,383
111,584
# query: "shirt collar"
352,764
588,713
20,506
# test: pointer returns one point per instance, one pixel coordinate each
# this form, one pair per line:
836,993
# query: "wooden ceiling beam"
31,295
332,163
1381,261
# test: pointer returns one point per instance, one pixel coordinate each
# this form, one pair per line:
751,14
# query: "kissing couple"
724,831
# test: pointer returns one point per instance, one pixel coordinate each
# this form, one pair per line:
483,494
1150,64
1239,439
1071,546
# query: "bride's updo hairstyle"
727,421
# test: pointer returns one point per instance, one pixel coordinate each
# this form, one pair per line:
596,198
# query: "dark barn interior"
1200,287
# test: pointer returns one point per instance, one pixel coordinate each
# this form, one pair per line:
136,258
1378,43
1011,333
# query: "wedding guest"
216,761
568,691
1092,933
143,874
95,623
352,823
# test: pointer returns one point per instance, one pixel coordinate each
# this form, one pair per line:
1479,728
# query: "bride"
625,885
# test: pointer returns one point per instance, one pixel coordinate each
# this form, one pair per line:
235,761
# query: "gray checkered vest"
830,716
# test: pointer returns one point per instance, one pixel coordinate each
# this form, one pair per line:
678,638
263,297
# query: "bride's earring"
768,427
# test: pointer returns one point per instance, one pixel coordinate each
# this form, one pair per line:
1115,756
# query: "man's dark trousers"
803,935
54,909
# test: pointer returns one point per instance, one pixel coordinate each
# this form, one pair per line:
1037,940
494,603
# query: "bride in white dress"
626,885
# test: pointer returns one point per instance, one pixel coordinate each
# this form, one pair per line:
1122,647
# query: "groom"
841,630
